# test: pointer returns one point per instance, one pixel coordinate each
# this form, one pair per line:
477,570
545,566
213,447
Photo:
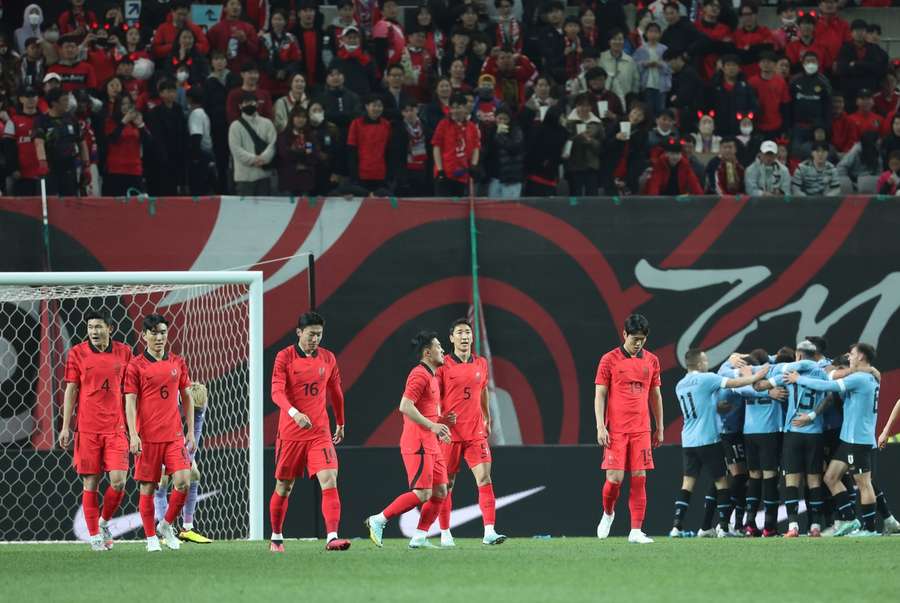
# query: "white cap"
768,147
52,76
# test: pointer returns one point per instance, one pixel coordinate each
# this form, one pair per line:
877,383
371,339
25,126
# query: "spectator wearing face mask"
355,63
332,154
31,27
252,140
767,177
249,84
810,100
705,141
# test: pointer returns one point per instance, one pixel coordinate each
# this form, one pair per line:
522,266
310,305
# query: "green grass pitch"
561,569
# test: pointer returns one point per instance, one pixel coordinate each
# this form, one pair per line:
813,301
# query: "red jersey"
744,40
20,128
457,143
422,388
867,122
301,381
157,384
844,133
833,32
629,380
461,385
75,77
371,140
98,376
772,93
123,148
718,32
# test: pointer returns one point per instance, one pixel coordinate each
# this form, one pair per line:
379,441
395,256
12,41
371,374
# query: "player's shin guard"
867,516
739,497
488,504
637,500
331,509
91,511
190,504
446,509
770,501
792,503
843,506
161,502
816,505
146,508
611,495
754,493
278,506
430,511
682,502
709,508
112,498
723,506
176,501
401,505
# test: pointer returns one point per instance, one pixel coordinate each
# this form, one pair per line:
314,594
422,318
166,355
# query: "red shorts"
424,470
475,452
628,452
97,453
149,463
292,457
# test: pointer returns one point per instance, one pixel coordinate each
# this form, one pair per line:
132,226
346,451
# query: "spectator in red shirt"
367,143
249,83
787,33
512,72
887,99
832,30
671,173
456,146
420,65
889,181
751,37
312,43
165,39
75,74
388,38
808,41
773,95
844,133
233,36
714,31
124,130
21,155
77,20
865,119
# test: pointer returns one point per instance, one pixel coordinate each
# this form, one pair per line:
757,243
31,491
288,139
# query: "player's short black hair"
759,357
785,354
421,342
459,321
842,361
867,350
98,315
637,324
692,357
820,342
151,321
310,319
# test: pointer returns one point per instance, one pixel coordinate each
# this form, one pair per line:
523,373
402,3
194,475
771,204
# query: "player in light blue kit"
854,453
698,397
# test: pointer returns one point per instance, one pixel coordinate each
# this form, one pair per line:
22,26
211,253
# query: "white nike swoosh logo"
118,526
409,521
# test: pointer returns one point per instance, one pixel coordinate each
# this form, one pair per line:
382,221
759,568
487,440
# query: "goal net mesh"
40,493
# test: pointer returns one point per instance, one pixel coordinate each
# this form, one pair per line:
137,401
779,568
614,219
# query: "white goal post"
214,309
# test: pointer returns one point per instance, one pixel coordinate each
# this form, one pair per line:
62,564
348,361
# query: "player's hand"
882,439
135,445
338,436
602,436
448,419
442,432
190,443
302,421
65,437
658,437
737,361
874,372
801,420
792,377
778,393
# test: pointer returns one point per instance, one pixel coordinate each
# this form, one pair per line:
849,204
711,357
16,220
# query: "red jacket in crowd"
718,32
20,128
123,148
457,143
370,138
165,40
688,184
832,32
222,37
523,73
771,94
70,21
844,133
867,122
744,39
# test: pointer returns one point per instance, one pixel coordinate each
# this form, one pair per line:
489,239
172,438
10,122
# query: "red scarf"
361,57
416,154
509,33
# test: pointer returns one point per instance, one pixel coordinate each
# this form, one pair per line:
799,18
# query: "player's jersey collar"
303,354
457,360
96,350
427,368
150,357
640,354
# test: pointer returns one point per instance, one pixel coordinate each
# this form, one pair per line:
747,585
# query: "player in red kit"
627,381
422,430
302,376
94,372
464,396
153,383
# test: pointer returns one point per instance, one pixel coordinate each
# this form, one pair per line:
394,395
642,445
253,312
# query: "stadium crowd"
527,98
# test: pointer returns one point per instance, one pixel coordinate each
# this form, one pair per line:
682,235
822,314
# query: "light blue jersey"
802,400
763,414
860,393
698,397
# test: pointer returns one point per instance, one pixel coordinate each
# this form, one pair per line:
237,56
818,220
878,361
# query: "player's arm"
486,411
819,385
886,432
657,408
187,402
801,420
65,435
279,396
408,408
131,418
749,380
337,404
600,393
840,373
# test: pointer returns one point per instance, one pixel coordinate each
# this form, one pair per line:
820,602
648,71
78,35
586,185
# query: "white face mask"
51,36
706,129
34,19
746,130
664,132
73,104
316,117
351,48
787,21
182,76
811,68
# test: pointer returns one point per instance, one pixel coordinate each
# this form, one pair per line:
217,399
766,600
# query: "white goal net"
210,326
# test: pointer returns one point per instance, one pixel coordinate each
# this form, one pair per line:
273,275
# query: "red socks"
430,511
610,496
147,509
637,500
278,505
112,498
488,504
91,511
331,509
401,505
176,501
444,513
